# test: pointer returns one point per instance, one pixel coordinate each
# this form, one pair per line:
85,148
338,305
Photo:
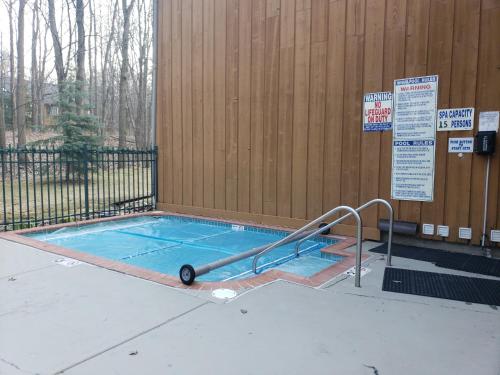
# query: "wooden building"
259,106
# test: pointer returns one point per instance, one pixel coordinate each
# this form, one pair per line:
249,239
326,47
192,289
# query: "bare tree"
80,55
35,100
58,56
122,115
2,111
21,84
91,34
105,62
94,24
12,67
41,74
144,44
106,46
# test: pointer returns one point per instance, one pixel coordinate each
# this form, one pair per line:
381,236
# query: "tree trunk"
95,59
35,100
104,67
44,52
21,84
12,71
80,56
139,131
122,106
89,56
3,142
58,57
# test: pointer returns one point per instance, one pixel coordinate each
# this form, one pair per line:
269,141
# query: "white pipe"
485,211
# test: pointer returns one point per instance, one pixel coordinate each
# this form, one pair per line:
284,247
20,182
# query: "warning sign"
414,138
377,112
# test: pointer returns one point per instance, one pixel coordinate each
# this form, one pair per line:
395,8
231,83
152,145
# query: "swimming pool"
164,243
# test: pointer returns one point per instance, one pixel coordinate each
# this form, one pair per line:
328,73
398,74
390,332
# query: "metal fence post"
86,180
155,179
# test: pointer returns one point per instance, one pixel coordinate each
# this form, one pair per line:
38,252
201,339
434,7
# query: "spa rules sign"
414,138
377,112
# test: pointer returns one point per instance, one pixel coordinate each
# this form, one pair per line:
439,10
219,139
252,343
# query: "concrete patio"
88,320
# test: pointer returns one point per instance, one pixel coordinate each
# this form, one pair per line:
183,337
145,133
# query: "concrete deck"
89,320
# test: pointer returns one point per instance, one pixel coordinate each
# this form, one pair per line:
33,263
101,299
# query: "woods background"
101,49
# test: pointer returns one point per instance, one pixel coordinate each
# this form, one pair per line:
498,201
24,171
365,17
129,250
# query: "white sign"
415,102
377,112
455,119
413,170
461,145
488,121
414,138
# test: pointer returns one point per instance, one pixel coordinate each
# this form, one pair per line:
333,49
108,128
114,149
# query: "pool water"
165,243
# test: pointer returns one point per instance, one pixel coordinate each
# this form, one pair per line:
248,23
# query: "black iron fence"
41,186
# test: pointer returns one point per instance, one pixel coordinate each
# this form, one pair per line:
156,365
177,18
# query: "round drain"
224,293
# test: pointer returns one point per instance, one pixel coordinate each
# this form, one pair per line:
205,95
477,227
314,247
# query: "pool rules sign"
414,138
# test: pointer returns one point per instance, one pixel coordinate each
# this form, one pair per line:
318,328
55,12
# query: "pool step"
306,265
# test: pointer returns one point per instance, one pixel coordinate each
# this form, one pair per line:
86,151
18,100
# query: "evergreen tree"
75,130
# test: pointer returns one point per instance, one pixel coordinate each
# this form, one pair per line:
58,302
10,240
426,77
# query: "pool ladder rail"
188,273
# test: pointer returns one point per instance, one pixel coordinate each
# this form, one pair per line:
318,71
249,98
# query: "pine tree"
76,129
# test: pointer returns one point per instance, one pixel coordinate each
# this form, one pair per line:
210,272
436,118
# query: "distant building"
49,105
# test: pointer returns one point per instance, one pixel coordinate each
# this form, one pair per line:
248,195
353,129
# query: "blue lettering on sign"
414,143
461,144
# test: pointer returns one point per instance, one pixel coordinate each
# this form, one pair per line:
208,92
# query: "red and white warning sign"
377,112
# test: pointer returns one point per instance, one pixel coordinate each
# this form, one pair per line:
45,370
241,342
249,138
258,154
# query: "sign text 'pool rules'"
377,112
414,138
455,119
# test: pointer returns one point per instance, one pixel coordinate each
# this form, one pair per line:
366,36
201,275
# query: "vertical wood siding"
259,105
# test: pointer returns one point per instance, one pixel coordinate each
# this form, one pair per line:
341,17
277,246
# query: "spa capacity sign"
414,138
377,112
455,119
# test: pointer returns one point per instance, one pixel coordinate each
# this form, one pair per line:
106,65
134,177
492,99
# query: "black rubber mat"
470,263
445,259
439,285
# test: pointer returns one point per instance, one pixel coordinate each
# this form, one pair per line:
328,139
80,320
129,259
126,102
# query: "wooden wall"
259,105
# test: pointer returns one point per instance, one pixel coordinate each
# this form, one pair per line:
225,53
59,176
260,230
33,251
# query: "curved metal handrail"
359,235
188,273
359,209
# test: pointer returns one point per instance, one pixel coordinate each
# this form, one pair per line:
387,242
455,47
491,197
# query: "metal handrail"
359,209
188,273
359,235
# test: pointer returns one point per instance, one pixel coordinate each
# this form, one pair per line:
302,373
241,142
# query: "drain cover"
67,262
224,293
352,271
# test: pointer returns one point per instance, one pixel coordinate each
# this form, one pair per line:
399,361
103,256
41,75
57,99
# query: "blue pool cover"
165,243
